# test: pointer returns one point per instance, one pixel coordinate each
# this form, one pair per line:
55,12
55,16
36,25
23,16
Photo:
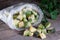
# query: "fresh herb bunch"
50,8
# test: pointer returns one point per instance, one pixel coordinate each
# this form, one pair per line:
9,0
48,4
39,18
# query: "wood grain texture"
6,3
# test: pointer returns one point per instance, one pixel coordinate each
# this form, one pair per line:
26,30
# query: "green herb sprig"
50,8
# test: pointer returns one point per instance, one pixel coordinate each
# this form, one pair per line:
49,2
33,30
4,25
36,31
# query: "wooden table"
7,34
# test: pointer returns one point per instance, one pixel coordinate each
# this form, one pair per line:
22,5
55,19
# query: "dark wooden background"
7,34
6,3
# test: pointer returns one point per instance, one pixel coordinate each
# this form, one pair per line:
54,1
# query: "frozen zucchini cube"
39,30
31,18
15,22
42,35
24,16
35,13
28,13
51,30
21,24
32,29
27,33
21,12
29,24
31,34
26,24
15,15
48,24
44,31
36,34
20,17
24,19
41,26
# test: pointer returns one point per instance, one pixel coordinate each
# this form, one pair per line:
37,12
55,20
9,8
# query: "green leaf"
49,6
55,2
54,14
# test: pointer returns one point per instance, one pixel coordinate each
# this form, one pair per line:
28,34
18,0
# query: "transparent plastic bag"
6,15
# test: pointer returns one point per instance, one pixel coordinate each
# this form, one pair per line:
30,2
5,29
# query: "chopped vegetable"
29,24
24,19
35,13
28,13
24,16
20,12
27,33
30,20
44,31
25,24
21,24
41,26
15,22
31,34
20,17
39,30
42,35
15,15
51,30
48,24
32,29
36,34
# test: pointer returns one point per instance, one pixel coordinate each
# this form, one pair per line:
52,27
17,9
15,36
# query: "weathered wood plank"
7,34
6,3
4,27
11,35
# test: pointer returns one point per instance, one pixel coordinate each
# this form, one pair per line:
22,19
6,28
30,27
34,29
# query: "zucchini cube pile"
40,31
25,18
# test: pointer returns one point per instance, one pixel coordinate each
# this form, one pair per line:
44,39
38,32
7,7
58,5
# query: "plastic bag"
6,15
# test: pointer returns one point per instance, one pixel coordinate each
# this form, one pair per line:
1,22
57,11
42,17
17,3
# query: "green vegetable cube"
51,30
41,26
27,33
48,24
